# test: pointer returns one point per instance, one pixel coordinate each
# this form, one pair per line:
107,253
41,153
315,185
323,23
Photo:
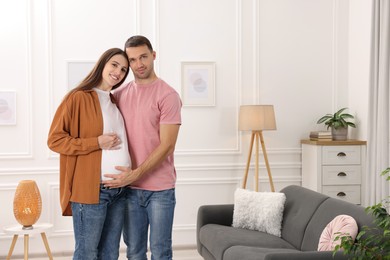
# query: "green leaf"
324,118
337,120
340,111
346,115
361,233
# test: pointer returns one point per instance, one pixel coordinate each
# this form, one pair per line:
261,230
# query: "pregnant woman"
89,134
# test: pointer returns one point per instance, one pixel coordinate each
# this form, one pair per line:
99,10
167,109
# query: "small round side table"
18,230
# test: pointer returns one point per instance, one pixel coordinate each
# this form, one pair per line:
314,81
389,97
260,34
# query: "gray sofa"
306,214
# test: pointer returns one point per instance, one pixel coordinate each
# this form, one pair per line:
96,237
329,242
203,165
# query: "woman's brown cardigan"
74,135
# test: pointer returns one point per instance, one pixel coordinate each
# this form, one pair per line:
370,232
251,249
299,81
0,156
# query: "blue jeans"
98,227
149,208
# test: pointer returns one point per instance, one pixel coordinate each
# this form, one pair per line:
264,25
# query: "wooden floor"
180,254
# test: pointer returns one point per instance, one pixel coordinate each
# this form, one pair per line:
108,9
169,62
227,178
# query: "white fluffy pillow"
262,211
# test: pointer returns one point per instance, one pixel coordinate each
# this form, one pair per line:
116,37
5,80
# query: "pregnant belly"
112,158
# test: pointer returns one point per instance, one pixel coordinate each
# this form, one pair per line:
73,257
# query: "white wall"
298,55
359,53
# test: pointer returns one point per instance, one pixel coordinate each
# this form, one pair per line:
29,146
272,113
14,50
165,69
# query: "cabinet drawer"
350,193
341,174
348,154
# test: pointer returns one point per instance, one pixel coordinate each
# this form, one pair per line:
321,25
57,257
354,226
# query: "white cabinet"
334,168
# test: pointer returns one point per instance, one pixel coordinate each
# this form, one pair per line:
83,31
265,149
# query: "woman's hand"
109,141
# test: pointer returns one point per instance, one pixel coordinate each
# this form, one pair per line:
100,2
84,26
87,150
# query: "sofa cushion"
328,211
339,226
301,203
253,253
261,211
218,238
257,253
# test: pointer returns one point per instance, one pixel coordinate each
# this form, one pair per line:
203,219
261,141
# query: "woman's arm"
64,134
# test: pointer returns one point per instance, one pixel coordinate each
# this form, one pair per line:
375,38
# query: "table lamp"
257,118
27,203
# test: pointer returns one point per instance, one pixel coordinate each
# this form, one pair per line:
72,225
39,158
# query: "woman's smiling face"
114,71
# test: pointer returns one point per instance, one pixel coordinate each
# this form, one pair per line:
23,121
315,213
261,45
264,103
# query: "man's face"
141,62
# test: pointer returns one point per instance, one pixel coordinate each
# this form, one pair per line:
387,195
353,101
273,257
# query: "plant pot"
27,203
340,134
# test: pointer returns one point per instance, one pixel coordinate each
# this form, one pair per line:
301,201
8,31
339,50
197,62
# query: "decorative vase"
27,203
340,134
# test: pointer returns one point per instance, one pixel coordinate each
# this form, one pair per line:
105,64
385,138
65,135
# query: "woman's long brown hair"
94,78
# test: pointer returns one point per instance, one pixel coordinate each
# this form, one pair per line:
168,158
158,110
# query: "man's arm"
168,137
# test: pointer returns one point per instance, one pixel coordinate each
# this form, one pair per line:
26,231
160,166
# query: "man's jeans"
98,227
154,208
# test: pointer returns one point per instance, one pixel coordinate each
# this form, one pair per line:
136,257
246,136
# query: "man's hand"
125,178
168,137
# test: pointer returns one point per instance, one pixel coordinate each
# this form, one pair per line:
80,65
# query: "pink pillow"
342,224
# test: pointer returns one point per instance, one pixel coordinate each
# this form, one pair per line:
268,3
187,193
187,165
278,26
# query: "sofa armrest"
213,214
306,255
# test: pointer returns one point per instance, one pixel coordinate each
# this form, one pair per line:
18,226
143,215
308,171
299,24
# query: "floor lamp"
257,118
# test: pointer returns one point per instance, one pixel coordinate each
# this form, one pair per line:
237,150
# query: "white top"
113,123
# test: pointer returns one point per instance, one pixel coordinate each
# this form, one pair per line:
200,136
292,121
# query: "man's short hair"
138,40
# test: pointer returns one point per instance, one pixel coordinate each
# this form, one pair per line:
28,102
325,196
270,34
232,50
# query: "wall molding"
156,32
335,66
256,50
235,180
137,16
53,191
238,83
179,167
8,186
200,152
27,154
50,79
28,171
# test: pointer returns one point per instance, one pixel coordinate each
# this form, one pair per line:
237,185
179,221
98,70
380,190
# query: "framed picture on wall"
198,83
7,108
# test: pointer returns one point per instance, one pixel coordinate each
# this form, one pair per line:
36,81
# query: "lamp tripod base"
256,137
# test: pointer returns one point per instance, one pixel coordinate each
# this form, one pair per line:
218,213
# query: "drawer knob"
342,174
341,154
341,194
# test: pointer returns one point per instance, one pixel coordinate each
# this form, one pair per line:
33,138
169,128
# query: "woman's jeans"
98,227
149,208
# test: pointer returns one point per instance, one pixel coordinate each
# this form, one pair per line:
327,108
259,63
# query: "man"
151,110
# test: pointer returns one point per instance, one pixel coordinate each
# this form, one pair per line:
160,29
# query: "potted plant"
338,123
370,243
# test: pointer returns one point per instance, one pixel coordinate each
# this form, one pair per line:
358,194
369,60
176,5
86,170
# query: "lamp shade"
27,203
257,117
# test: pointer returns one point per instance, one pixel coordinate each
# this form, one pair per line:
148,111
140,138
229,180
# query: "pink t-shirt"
144,107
